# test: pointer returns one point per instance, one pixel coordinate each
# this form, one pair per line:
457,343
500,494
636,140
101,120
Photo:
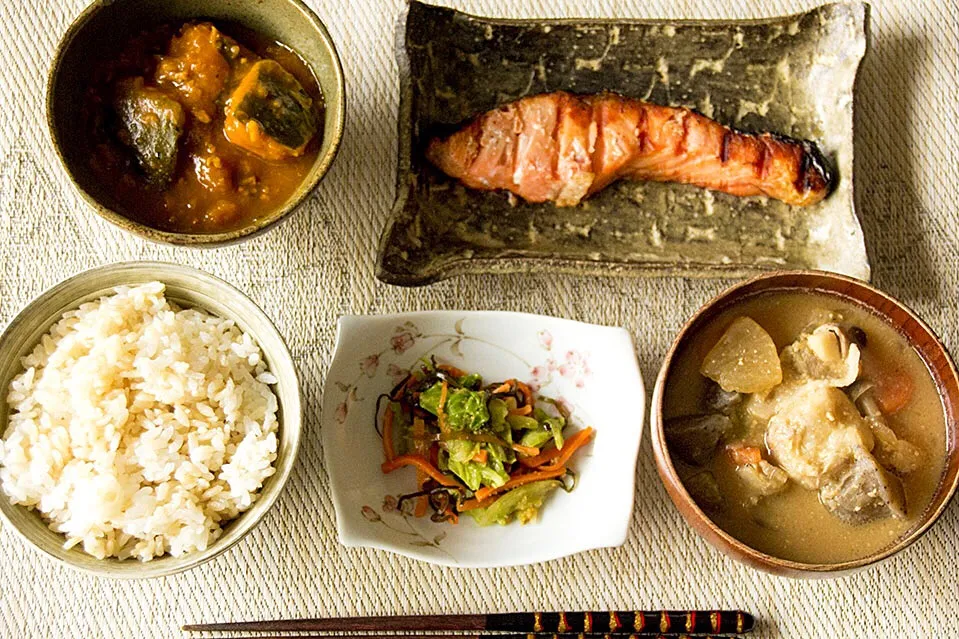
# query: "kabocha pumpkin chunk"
195,69
269,114
151,124
744,360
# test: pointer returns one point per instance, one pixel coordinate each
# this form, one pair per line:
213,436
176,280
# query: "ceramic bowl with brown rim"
102,31
798,514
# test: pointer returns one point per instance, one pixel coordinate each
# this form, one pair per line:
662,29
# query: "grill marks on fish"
561,147
536,148
762,166
724,149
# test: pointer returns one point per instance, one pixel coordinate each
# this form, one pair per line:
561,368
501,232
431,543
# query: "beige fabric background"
320,265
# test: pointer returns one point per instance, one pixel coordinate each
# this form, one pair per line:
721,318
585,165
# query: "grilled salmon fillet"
559,147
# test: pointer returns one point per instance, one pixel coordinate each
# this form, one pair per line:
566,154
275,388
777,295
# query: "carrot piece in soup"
893,391
741,454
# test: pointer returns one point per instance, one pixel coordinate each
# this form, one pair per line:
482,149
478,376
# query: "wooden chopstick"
496,636
672,622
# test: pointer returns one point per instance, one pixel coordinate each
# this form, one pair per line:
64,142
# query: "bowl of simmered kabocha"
196,123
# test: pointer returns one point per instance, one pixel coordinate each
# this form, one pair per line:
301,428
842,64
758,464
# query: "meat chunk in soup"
762,479
705,491
826,354
695,438
721,401
822,441
151,124
859,490
898,455
815,429
269,114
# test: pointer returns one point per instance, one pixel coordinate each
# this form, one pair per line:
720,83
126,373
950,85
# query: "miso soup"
806,427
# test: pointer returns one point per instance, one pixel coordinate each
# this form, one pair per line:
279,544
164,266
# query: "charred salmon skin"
559,147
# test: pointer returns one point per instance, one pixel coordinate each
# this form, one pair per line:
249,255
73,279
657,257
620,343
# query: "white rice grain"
139,429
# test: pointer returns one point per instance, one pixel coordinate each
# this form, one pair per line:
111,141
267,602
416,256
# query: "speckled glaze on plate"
106,24
188,287
792,75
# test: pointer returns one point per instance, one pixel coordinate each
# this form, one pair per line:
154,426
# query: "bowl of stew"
196,123
806,424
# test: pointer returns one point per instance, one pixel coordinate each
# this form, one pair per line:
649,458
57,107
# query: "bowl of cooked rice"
151,416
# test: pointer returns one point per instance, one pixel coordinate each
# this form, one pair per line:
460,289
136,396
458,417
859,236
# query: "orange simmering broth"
217,186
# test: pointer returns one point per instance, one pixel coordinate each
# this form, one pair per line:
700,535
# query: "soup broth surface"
794,524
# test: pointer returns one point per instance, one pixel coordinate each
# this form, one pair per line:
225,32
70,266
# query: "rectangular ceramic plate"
792,75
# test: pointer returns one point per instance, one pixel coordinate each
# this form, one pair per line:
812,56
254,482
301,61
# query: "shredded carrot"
421,504
388,433
419,429
525,410
561,455
481,456
440,414
422,464
452,370
399,391
471,504
502,388
483,494
527,392
529,451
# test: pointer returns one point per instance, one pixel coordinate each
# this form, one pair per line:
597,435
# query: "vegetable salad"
493,452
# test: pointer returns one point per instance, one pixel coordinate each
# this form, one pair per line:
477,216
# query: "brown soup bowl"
917,334
106,25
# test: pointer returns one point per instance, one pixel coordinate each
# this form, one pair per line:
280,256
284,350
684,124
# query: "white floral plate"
592,369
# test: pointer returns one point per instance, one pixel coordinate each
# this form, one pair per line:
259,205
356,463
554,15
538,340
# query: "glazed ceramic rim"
204,240
703,523
289,422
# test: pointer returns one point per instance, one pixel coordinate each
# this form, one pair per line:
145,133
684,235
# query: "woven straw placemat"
319,265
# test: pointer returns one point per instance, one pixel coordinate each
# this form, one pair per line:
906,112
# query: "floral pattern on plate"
574,365
577,364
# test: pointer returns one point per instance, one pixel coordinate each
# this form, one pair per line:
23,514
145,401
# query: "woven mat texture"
320,265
